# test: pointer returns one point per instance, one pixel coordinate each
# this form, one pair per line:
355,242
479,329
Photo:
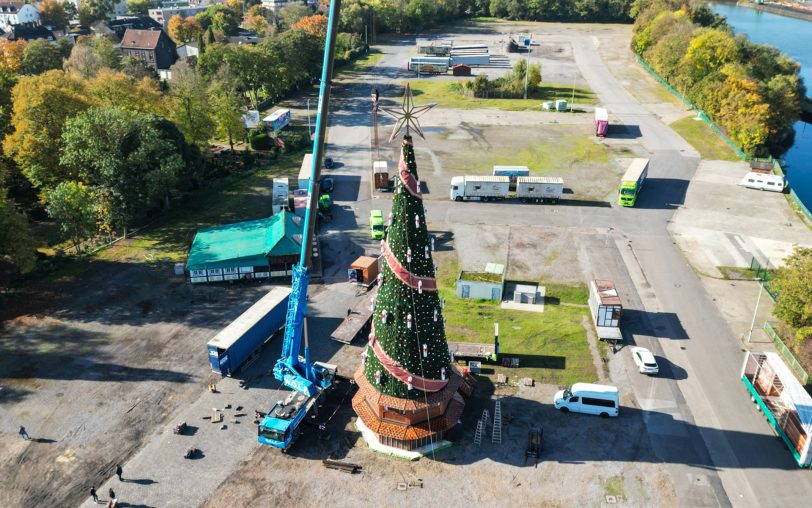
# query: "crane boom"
280,427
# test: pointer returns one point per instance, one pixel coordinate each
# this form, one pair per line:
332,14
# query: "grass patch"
481,277
241,197
614,487
544,154
551,346
445,95
565,293
737,273
704,140
359,65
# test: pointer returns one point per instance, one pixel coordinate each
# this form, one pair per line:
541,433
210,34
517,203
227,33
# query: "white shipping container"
304,172
470,59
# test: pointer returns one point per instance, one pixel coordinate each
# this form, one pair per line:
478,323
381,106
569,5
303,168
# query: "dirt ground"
535,253
619,457
94,371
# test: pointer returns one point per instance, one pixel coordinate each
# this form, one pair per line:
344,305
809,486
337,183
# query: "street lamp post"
310,134
755,311
526,70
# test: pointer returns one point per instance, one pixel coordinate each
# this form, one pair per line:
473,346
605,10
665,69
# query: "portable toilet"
561,105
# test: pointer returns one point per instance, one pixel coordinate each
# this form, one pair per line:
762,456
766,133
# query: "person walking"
24,433
118,472
94,495
112,495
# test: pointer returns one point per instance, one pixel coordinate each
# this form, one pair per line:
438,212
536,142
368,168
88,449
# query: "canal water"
793,37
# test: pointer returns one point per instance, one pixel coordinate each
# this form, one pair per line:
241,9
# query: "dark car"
328,162
326,185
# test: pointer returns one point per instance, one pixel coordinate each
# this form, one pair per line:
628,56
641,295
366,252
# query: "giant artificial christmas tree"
408,391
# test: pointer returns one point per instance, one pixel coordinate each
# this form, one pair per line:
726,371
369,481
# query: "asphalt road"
698,414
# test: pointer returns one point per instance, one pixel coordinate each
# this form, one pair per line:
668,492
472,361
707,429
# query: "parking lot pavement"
731,224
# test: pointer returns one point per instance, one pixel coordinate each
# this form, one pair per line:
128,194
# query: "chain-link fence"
784,351
700,114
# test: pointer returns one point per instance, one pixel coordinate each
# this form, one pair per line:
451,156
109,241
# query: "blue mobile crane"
309,382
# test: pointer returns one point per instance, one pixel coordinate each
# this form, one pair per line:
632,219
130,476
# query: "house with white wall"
14,13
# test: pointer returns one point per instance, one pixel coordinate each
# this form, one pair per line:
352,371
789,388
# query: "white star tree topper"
406,116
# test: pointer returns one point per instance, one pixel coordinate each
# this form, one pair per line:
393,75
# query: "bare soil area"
92,376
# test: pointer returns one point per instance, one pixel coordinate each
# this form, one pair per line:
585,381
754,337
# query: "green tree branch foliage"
190,109
794,284
752,91
40,56
16,242
72,205
140,7
227,105
128,155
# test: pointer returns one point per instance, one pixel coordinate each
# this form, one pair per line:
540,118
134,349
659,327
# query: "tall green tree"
190,109
17,246
40,56
227,106
72,206
127,156
140,7
52,13
794,284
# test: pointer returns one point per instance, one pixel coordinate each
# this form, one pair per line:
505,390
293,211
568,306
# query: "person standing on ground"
24,433
94,495
118,472
112,497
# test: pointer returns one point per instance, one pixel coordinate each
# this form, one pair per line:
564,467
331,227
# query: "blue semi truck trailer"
235,343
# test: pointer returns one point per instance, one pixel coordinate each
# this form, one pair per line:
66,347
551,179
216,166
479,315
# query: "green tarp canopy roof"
248,243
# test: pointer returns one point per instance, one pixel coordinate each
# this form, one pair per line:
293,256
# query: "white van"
588,398
763,181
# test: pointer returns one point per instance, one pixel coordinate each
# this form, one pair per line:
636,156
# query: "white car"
646,363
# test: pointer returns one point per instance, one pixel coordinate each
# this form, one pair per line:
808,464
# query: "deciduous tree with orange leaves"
11,55
184,29
315,25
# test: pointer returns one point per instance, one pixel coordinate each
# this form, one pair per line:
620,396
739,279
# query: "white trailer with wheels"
538,189
480,188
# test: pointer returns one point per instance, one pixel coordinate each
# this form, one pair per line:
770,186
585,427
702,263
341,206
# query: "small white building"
485,285
275,5
14,13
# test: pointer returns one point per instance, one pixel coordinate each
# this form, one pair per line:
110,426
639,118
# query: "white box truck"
479,188
538,189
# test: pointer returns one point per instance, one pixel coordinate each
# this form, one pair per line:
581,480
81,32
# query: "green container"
561,105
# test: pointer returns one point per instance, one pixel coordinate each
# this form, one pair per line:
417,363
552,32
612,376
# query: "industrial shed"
253,249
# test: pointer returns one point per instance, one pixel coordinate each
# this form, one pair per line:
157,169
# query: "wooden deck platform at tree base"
357,321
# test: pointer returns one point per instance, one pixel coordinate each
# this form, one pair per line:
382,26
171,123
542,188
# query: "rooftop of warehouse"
246,243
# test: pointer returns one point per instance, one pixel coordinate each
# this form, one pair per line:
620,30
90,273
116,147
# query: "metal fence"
784,351
701,114
777,169
764,275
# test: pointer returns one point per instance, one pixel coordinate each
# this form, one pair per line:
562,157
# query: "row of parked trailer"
507,182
